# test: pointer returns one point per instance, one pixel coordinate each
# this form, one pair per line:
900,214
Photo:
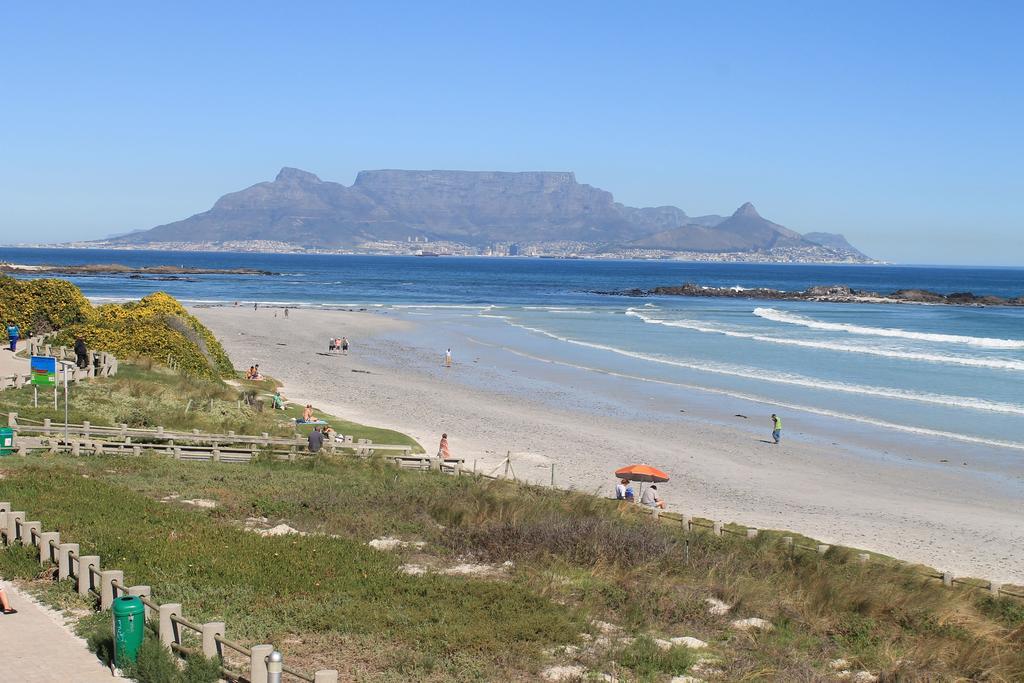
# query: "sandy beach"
950,506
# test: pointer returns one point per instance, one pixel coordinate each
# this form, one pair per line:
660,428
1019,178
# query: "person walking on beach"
442,450
13,334
448,358
344,346
776,427
255,305
286,311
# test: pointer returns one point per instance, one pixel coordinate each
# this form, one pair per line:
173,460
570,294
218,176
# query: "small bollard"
85,563
46,553
787,541
716,528
143,592
27,537
994,588
211,648
751,534
275,667
14,519
325,676
259,654
107,590
64,551
864,558
687,522
168,629
947,579
823,548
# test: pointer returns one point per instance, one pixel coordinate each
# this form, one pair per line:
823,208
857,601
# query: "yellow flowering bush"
44,305
157,326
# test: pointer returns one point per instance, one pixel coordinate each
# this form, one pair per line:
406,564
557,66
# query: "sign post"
43,373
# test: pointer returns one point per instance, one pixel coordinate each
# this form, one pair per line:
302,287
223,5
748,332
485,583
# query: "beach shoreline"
887,493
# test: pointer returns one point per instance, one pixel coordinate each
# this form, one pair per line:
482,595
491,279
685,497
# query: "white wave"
478,307
924,431
995,363
944,400
796,319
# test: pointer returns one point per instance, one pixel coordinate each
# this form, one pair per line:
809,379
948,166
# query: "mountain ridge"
473,208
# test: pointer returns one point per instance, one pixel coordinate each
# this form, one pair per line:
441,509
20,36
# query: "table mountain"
468,207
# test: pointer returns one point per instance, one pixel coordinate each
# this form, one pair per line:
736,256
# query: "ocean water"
952,372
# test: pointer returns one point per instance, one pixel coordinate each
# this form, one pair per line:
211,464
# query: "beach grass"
574,559
144,394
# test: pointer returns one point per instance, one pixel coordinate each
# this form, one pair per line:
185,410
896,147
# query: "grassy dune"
146,395
575,559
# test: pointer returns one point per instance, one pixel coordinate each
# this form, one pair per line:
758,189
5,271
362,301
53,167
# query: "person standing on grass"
776,427
13,334
316,440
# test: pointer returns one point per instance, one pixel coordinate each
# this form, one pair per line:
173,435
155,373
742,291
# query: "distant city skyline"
896,125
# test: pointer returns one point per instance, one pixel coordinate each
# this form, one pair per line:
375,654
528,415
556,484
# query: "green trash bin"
6,440
129,625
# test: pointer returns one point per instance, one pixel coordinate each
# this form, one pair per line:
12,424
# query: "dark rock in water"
829,293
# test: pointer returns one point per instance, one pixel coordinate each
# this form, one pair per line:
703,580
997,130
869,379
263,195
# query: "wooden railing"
86,572
101,364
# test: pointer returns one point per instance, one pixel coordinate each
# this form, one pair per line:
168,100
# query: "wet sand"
884,492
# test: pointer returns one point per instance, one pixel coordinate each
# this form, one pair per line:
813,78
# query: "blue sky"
898,124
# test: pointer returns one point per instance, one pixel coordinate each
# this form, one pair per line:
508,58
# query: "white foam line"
924,431
798,380
796,319
995,363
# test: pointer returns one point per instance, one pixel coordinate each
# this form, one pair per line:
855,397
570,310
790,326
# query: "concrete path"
35,646
9,363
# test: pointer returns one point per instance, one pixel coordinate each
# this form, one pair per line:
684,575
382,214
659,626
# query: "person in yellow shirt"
776,427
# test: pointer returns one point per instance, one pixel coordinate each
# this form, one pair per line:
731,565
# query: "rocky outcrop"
830,293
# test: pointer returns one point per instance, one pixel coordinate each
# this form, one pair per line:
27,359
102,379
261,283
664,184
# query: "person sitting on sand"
650,498
630,496
442,450
5,603
307,414
620,489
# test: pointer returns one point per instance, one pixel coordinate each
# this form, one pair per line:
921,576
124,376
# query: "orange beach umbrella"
641,473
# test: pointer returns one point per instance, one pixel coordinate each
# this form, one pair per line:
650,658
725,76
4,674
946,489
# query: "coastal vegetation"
514,578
